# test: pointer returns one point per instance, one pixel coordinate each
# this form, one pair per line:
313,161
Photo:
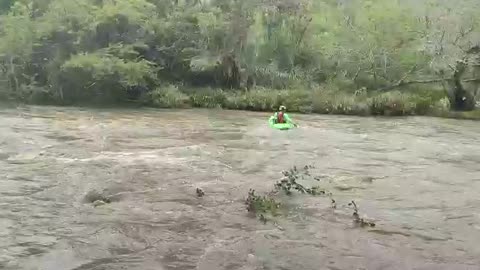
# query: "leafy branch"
290,182
268,205
356,217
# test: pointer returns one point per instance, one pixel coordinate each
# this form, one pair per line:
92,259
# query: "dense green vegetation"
377,57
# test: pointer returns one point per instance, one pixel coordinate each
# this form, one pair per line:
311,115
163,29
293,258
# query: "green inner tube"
281,126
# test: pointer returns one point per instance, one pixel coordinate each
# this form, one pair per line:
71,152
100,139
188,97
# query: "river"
418,178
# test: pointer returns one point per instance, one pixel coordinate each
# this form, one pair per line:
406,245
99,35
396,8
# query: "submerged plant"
356,217
200,192
290,182
267,205
96,198
261,205
334,204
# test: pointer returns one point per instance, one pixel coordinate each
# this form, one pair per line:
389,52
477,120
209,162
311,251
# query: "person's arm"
289,120
272,118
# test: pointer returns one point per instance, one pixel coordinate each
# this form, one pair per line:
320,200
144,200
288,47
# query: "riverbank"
318,101
314,101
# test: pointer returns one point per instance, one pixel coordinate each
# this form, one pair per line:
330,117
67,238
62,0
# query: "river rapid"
418,178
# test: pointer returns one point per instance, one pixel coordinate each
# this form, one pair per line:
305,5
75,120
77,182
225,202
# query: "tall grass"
268,100
168,97
319,100
326,101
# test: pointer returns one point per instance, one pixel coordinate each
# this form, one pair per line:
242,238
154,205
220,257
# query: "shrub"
443,104
207,97
169,97
261,99
331,101
392,104
296,100
258,99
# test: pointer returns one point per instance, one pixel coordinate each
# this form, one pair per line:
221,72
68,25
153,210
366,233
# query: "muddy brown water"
417,178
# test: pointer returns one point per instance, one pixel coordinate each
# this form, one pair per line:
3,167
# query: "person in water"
282,117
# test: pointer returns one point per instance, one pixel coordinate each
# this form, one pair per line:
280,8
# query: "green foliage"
333,101
261,205
5,5
392,104
442,105
290,182
311,55
169,97
257,99
17,33
103,66
261,99
395,103
102,77
472,115
320,100
267,206
377,43
208,98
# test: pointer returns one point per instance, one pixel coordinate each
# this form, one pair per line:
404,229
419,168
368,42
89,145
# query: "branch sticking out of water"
264,206
200,192
101,198
267,205
261,205
356,217
96,198
334,204
290,182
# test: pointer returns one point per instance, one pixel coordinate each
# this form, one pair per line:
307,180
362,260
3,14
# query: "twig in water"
200,192
356,217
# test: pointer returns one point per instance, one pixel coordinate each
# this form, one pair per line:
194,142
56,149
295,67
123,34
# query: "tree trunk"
13,76
230,72
461,99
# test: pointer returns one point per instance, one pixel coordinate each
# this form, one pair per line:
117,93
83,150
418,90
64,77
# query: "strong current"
417,178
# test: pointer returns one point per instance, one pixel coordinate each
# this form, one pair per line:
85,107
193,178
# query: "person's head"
282,108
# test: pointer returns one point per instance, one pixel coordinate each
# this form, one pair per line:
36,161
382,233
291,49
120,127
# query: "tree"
52,47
